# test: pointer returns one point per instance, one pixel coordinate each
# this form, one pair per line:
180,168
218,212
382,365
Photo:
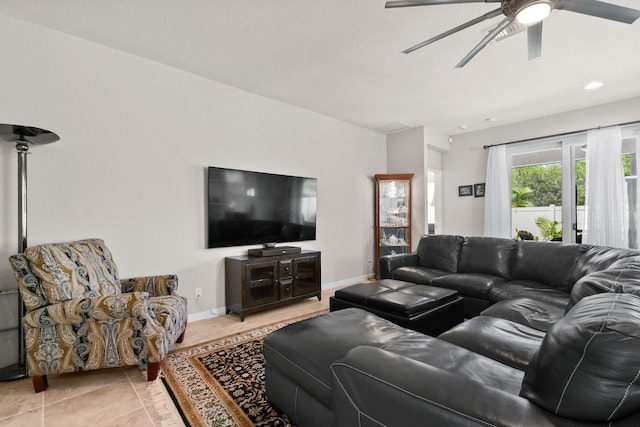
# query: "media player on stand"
274,250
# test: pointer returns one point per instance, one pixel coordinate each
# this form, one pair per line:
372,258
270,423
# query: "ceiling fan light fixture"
533,13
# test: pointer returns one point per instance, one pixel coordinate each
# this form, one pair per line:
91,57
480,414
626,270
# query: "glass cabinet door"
263,287
393,215
306,273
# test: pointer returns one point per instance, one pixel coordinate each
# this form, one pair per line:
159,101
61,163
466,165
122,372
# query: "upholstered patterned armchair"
80,316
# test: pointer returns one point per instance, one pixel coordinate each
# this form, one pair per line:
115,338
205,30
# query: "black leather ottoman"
427,309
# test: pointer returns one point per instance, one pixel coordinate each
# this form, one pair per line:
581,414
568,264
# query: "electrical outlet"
198,292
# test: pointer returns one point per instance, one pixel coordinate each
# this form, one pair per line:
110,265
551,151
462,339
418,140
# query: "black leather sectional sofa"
552,339
486,270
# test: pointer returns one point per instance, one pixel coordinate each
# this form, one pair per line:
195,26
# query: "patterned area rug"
221,382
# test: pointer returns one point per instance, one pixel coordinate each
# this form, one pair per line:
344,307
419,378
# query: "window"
548,186
536,190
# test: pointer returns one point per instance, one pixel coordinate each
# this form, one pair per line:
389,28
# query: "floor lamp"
22,136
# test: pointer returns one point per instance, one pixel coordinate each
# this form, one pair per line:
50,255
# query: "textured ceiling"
343,58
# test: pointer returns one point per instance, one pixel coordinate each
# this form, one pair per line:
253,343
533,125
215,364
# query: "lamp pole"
22,136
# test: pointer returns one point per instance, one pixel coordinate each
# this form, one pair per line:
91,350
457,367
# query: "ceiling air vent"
393,127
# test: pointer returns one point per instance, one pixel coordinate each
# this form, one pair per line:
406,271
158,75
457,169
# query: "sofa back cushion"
587,366
627,262
550,263
612,280
488,255
440,252
598,258
73,270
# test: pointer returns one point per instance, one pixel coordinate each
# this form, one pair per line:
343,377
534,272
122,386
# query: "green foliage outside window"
520,197
541,185
581,176
544,181
548,228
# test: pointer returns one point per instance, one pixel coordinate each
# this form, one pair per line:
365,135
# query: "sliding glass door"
548,187
536,191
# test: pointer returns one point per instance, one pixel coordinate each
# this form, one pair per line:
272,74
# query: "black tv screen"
247,208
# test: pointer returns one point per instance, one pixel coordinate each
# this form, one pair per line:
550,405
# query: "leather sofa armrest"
154,285
371,384
388,263
82,310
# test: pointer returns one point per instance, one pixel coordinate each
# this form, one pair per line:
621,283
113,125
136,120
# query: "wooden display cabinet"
393,215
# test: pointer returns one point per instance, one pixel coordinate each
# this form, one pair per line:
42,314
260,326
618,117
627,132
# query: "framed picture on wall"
478,190
465,190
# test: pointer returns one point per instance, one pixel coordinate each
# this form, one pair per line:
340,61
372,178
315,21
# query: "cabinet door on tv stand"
306,275
261,286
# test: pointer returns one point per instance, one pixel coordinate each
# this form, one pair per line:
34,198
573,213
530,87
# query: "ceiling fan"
530,13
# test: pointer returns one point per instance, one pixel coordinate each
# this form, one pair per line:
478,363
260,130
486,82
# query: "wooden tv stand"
254,284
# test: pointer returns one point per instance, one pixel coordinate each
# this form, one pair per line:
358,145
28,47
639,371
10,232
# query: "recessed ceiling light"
593,85
462,127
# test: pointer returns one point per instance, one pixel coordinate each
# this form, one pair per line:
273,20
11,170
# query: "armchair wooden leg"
152,370
181,337
40,383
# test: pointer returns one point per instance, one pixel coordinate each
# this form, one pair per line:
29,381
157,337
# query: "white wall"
466,162
434,160
136,138
412,151
405,154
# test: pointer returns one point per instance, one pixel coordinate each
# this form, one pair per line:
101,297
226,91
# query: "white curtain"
497,199
606,203
634,226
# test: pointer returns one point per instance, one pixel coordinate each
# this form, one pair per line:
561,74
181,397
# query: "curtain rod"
558,134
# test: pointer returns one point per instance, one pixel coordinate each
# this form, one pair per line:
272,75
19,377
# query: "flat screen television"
248,208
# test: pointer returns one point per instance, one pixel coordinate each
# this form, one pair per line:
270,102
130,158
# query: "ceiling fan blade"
534,37
601,10
486,40
484,17
407,3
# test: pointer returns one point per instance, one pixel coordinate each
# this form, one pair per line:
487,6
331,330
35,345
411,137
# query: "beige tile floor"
123,396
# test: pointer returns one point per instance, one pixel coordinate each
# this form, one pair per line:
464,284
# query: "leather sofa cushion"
458,361
587,365
550,263
327,337
598,258
624,280
440,252
419,275
537,314
628,262
529,289
508,342
488,255
469,284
